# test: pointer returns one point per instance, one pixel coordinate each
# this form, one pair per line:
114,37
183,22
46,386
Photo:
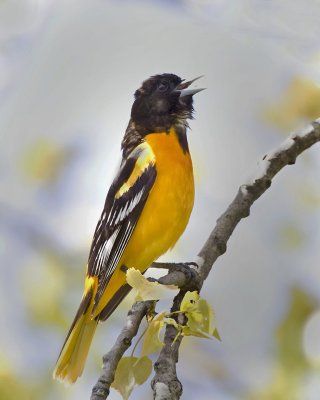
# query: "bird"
146,210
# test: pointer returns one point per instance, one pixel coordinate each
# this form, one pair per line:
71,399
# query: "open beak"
184,90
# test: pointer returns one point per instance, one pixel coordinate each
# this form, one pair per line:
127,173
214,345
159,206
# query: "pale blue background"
68,71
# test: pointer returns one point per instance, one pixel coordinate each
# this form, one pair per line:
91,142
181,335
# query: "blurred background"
68,71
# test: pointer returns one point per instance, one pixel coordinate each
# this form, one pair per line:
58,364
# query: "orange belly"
169,205
165,214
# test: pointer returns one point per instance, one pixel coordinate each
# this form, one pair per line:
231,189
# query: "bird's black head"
161,102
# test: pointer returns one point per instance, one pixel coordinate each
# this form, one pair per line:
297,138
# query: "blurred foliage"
44,160
11,388
301,102
291,236
14,387
42,284
311,341
308,195
291,363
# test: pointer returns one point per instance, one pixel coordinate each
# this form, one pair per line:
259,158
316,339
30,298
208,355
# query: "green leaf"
131,372
148,290
188,302
200,316
187,331
206,311
171,321
142,369
216,334
152,342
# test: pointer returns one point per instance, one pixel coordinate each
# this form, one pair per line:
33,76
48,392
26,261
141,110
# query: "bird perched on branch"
146,210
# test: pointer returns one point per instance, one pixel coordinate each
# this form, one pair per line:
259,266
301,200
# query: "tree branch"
101,389
165,383
248,193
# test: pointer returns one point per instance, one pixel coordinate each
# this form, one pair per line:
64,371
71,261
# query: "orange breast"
165,214
169,205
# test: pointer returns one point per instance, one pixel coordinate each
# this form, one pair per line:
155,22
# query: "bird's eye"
163,86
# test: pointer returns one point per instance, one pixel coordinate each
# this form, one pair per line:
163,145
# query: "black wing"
124,204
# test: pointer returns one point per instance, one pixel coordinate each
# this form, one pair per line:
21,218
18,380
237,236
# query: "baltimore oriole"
146,210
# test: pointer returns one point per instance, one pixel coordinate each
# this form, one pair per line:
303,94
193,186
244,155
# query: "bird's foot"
183,275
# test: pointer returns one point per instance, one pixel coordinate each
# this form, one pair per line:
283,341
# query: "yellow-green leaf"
206,312
189,300
142,370
124,380
187,331
171,321
199,314
216,334
152,342
147,290
131,372
190,306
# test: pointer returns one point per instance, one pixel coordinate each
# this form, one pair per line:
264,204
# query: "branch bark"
101,389
165,383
